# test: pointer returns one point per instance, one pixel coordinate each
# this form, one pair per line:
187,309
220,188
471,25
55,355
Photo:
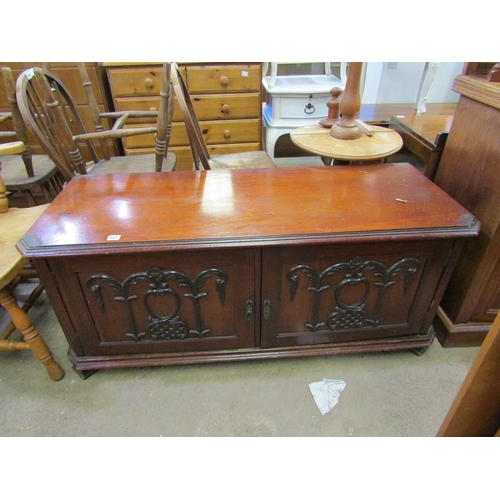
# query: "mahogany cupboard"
226,97
261,263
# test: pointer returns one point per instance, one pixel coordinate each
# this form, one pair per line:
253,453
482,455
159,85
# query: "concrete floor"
387,394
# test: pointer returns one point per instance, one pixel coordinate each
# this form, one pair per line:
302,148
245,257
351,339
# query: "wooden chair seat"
130,164
17,180
250,159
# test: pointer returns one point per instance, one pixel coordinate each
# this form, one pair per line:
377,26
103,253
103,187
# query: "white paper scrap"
326,393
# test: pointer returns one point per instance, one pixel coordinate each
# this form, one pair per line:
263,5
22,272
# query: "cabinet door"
152,303
350,292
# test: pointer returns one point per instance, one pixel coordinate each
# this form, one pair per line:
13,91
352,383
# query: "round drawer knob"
149,83
227,134
225,109
153,109
224,81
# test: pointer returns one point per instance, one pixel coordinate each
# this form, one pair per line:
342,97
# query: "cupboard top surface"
125,213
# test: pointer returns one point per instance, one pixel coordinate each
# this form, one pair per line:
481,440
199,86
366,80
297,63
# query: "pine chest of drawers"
226,96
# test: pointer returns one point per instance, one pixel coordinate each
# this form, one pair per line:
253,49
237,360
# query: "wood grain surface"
249,207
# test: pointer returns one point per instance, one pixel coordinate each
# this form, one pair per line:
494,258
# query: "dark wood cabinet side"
469,172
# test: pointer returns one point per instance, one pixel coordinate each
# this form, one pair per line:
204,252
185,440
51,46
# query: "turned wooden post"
165,114
333,108
350,102
4,202
30,335
93,107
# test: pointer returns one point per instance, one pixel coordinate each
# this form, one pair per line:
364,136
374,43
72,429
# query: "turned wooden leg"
28,304
350,102
31,336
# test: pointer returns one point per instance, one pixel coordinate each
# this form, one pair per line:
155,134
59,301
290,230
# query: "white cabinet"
294,101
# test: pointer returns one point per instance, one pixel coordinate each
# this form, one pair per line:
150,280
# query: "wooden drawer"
207,107
233,78
218,149
214,132
135,81
228,132
302,107
227,107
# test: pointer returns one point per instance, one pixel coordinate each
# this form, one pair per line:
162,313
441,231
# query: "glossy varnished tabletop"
381,114
125,213
431,129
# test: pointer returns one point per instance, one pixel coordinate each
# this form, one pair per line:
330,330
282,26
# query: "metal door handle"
266,309
249,311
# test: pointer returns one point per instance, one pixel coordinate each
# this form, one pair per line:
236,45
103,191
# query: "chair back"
9,148
19,132
164,116
51,114
93,106
198,147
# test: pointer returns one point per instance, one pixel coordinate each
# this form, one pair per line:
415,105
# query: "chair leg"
31,336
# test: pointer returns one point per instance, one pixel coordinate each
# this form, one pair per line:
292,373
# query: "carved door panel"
341,293
160,302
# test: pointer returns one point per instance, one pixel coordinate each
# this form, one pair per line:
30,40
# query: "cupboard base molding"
452,334
87,365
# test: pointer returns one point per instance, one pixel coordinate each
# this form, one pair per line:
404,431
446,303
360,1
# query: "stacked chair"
51,114
34,177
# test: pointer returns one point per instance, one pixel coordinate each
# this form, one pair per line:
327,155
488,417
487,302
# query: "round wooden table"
317,140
